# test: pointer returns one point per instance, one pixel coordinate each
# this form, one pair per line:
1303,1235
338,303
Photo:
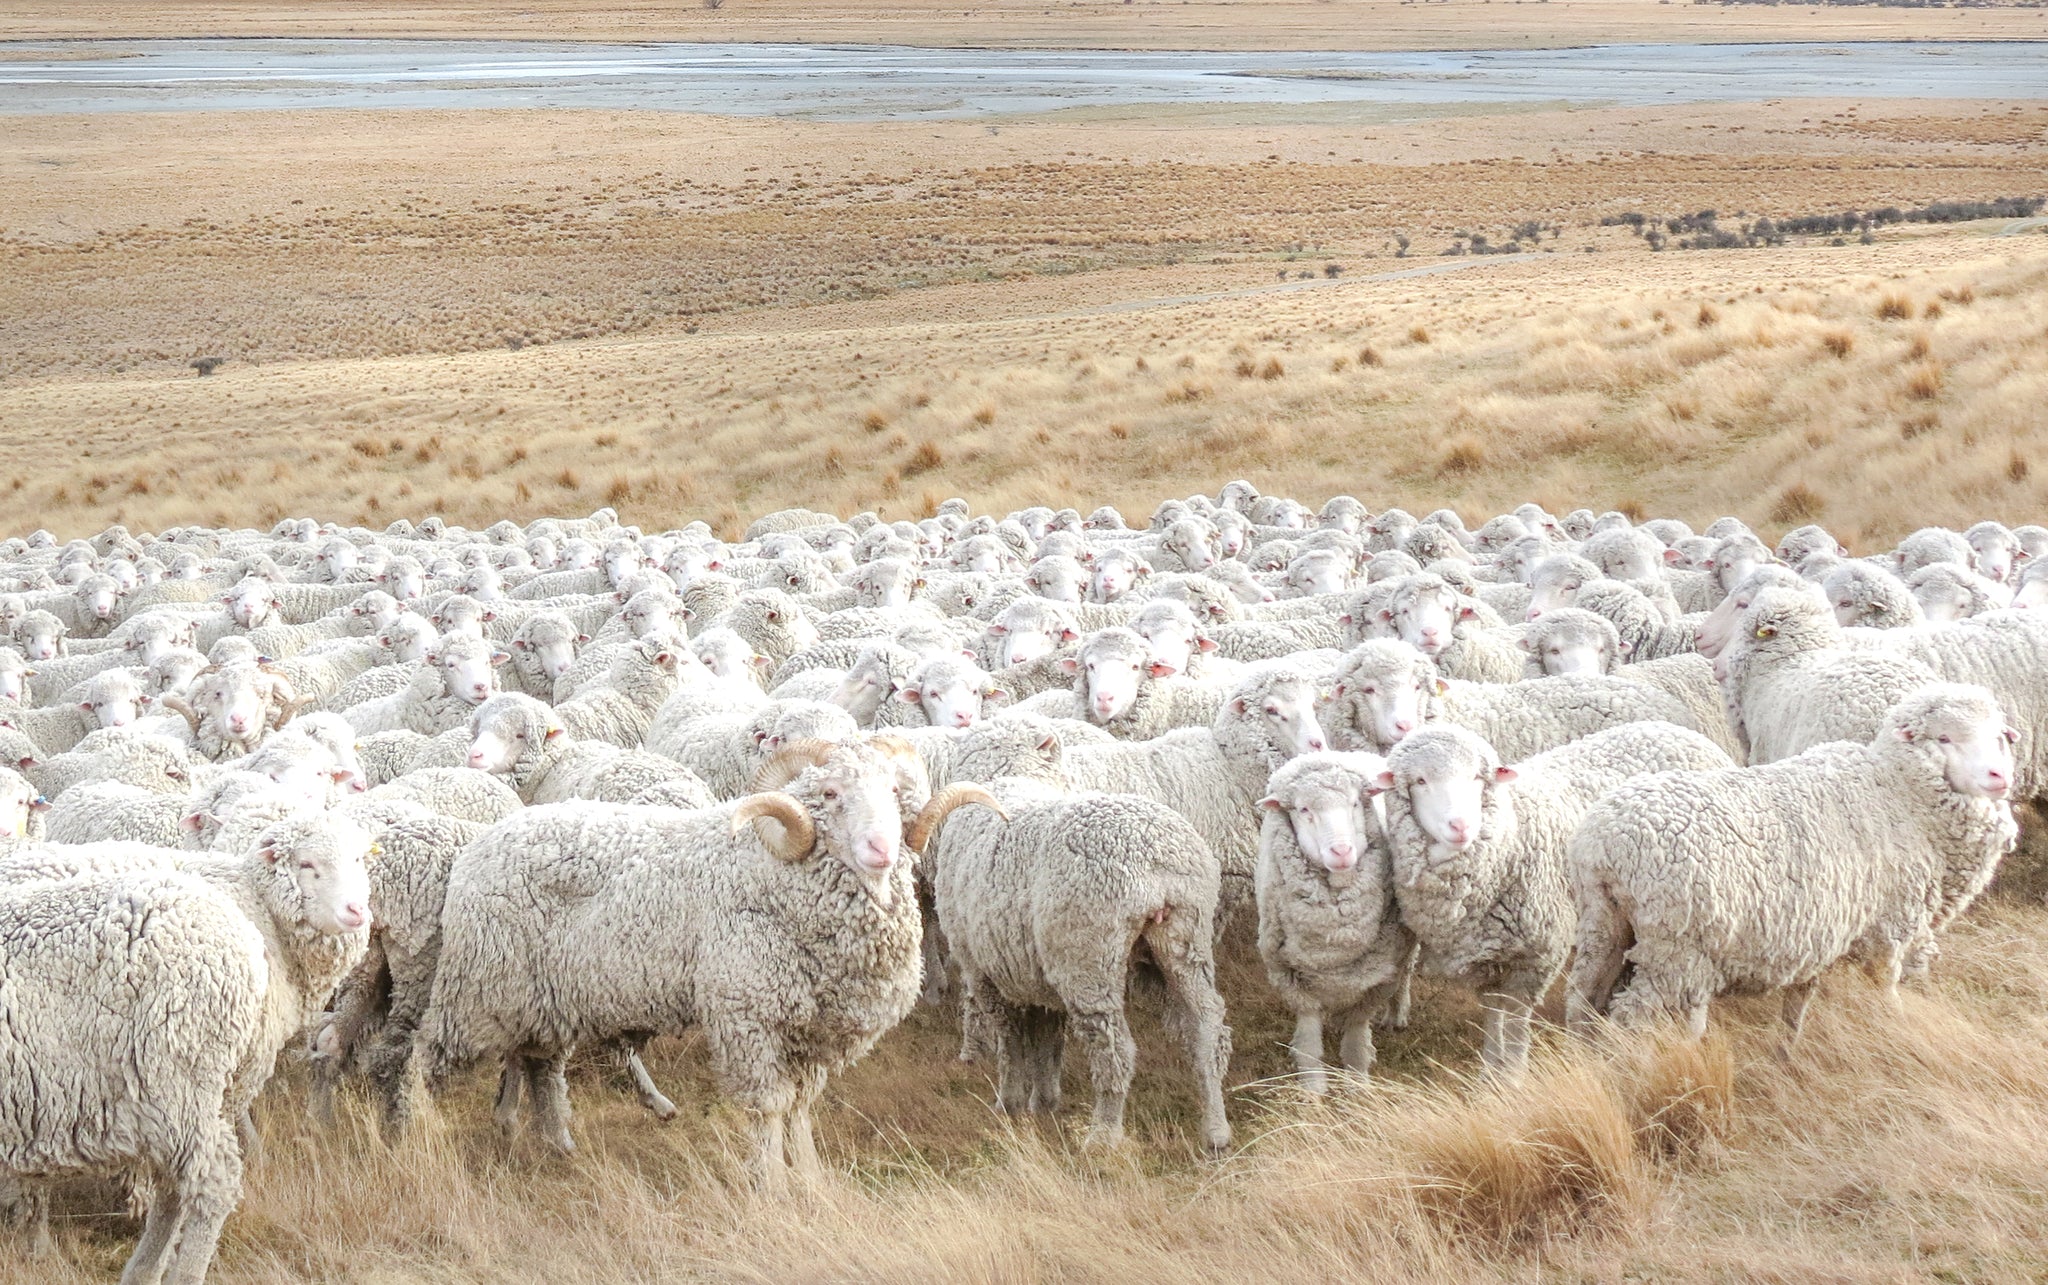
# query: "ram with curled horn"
789,762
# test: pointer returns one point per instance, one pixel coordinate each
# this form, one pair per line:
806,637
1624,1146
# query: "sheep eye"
306,865
831,794
1943,739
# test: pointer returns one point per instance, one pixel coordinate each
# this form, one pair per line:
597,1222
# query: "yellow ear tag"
1767,632
376,849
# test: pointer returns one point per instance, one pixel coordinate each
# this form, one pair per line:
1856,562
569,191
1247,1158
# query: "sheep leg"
1798,996
1013,1071
152,1251
803,1142
933,991
651,1096
1307,1048
511,1079
209,1187
1505,1050
547,1080
771,1172
1045,1047
1112,1060
246,1134
1355,1049
1180,947
1394,1016
1605,938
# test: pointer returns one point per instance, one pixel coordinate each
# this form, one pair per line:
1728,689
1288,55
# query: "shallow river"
878,83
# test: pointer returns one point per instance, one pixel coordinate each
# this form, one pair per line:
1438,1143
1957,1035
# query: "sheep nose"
877,853
963,719
354,915
1404,725
1341,851
1460,829
476,758
1533,613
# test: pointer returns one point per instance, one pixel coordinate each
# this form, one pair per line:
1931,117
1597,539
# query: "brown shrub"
2016,466
568,480
1925,384
369,446
1796,504
875,421
1464,455
1120,431
1246,368
985,414
1839,342
835,463
1918,348
1418,334
517,455
428,451
1272,369
1370,356
605,439
1894,307
619,490
1918,424
924,459
1708,316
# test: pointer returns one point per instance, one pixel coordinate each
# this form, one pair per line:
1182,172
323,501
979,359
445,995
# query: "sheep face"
14,682
461,615
1574,642
1719,628
1448,777
1112,666
1056,579
1115,573
1318,571
1424,618
328,864
467,669
252,604
501,733
1555,582
1943,598
19,802
2033,590
116,701
1388,698
1963,731
1190,541
885,583
409,638
1027,634
1173,639
98,597
950,694
404,579
1327,813
1288,710
1996,553
646,614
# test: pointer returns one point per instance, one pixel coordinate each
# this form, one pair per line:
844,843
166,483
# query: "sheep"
1789,682
515,737
459,792
621,708
1479,856
771,621
456,676
729,657
1706,882
1030,628
1947,593
386,756
724,750
1045,901
1871,597
1384,691
1426,613
785,923
542,649
1928,546
172,983
1332,944
950,691
1119,686
40,636
1214,775
1571,640
1650,635
114,698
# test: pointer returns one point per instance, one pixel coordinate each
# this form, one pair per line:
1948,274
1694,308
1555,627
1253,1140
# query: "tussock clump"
924,459
1797,503
1894,307
1464,455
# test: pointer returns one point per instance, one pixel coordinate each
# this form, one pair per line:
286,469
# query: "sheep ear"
27,761
1205,644
1070,664
762,663
1344,619
268,852
995,694
1238,705
968,654
1272,804
1627,648
910,696
554,732
1386,614
520,643
1672,555
86,706
1504,774
998,630
1906,734
1442,687
1067,635
1525,644
1160,669
1048,743
39,804
1380,784
584,638
500,657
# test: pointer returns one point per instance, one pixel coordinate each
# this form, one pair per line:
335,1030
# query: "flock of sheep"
425,798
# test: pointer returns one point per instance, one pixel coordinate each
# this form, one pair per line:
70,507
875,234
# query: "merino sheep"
1706,882
1332,942
1478,852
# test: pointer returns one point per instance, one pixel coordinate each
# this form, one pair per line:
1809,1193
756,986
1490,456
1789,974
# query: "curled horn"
787,763
798,833
942,803
177,705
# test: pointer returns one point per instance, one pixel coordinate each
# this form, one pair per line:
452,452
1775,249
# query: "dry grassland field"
491,314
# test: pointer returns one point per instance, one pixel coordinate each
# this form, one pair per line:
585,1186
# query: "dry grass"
1895,1146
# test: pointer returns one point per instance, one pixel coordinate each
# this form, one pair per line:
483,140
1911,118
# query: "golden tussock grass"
1894,1145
